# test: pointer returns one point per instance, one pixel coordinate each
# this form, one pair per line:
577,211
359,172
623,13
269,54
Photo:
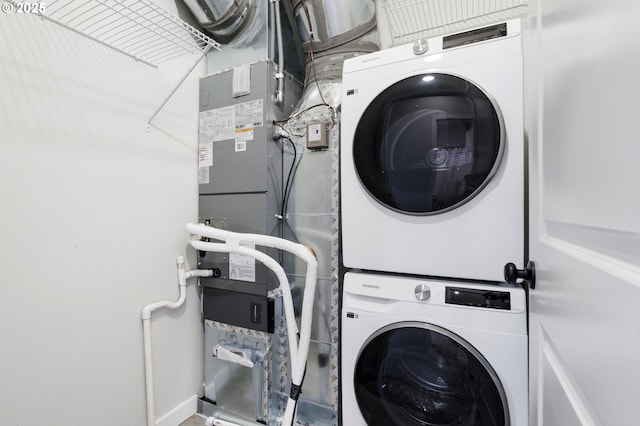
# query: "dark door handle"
512,274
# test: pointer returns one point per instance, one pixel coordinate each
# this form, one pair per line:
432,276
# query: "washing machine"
432,156
418,352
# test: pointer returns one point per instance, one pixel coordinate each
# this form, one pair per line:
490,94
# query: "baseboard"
179,414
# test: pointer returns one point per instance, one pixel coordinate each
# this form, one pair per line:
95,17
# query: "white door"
583,125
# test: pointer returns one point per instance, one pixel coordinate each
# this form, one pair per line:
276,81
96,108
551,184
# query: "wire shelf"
137,28
410,20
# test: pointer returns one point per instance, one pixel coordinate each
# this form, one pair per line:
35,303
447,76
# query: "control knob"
422,292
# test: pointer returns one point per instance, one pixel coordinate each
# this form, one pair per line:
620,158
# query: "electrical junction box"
247,310
317,136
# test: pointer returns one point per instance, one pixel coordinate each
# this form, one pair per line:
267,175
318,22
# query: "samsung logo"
374,286
375,58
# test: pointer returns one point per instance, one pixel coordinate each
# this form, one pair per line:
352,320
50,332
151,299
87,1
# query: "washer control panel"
389,292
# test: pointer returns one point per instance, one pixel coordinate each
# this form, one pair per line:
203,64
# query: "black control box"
248,310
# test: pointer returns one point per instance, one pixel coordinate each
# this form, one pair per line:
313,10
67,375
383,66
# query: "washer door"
428,144
416,374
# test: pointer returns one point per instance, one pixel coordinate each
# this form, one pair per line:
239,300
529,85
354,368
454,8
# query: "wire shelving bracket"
139,29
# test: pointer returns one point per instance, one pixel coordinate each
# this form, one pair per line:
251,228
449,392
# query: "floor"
194,420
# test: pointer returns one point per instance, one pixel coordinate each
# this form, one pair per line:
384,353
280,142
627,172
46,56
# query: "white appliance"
419,352
432,156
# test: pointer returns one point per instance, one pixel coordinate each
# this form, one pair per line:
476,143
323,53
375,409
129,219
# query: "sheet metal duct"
224,19
326,24
248,31
333,30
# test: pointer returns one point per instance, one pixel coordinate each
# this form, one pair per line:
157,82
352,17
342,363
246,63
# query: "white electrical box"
241,81
317,136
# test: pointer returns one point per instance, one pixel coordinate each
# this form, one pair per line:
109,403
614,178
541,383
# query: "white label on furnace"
203,175
244,134
224,123
206,126
205,154
241,267
249,114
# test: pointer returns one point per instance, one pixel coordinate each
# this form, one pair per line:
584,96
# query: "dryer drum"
428,144
426,376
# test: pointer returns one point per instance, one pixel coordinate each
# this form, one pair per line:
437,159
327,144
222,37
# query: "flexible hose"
269,262
300,351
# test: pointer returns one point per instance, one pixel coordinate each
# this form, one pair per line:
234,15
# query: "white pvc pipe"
219,422
146,330
225,418
214,421
299,250
204,273
300,351
148,371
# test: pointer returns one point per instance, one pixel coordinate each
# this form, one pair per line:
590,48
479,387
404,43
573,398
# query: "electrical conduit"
299,350
146,329
280,74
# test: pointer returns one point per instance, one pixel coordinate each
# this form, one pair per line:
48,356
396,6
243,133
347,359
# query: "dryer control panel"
477,297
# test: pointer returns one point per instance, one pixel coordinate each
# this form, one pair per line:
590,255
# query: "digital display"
474,36
479,298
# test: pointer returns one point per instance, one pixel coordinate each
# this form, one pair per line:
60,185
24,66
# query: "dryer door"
416,374
428,144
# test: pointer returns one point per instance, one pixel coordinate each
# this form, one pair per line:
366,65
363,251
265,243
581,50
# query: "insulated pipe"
233,241
269,262
146,330
232,244
280,75
299,250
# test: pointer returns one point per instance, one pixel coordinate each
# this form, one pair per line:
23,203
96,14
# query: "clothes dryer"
419,352
432,156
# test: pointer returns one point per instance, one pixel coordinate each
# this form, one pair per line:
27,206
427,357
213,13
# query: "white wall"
92,215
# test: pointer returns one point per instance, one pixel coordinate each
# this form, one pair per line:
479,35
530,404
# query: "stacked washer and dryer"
432,198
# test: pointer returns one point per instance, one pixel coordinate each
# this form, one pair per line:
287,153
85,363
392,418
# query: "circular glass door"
416,374
428,144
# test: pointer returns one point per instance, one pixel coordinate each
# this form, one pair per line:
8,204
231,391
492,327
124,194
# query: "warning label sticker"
235,122
242,267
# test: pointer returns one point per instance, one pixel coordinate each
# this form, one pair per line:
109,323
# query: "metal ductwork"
224,19
333,30
328,24
329,30
251,31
